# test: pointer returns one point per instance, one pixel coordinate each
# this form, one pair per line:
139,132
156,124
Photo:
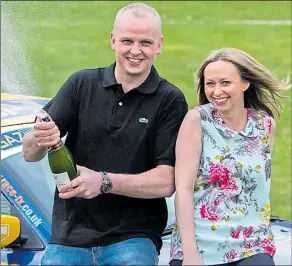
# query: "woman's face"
224,87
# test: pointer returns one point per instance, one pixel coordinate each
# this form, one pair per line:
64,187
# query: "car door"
27,193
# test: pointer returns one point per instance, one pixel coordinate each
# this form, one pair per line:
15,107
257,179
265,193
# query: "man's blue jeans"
134,251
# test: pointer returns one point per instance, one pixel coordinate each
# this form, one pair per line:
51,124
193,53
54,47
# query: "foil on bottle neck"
56,147
44,117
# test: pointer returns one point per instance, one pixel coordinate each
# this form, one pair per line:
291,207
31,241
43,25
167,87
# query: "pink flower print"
216,116
266,242
230,185
218,173
228,132
231,255
271,250
236,233
268,126
247,231
249,245
173,250
207,213
269,246
249,113
216,202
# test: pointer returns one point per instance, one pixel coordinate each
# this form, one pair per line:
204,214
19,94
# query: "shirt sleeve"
167,130
62,108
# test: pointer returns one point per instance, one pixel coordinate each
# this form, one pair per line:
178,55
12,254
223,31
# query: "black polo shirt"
118,133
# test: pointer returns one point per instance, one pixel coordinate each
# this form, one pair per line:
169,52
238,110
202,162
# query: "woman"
223,165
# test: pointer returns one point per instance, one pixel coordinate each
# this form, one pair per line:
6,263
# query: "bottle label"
61,179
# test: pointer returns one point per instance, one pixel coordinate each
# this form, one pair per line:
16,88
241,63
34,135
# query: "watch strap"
107,184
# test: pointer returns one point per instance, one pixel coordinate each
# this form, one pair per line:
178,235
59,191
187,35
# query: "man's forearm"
31,151
155,183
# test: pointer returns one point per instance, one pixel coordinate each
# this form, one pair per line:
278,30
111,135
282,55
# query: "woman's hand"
193,260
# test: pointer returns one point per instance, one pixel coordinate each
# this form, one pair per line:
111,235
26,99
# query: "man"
122,123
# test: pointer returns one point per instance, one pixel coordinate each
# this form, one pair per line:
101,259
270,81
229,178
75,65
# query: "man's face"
136,42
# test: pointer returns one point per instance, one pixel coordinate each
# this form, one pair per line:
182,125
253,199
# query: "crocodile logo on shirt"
143,120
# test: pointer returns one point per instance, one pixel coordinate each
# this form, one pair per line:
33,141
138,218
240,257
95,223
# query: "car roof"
19,109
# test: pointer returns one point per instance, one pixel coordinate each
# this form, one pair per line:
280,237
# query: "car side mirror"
10,229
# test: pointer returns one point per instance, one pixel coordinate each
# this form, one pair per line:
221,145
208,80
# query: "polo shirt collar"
109,76
148,86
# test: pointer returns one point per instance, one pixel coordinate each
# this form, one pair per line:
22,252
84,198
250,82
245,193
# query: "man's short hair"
138,10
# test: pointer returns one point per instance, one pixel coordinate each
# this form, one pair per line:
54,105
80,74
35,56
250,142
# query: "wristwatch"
107,184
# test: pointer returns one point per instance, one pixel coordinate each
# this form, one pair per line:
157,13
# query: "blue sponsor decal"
25,206
13,138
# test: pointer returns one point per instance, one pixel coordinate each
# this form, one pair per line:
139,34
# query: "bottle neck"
56,147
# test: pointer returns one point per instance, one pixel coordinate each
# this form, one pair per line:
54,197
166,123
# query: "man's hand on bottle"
46,134
86,185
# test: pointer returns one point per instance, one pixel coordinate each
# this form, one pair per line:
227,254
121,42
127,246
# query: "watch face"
106,187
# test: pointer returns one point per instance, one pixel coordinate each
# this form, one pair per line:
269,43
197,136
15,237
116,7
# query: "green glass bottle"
60,159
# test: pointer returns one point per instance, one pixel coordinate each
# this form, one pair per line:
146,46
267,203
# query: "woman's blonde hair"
264,86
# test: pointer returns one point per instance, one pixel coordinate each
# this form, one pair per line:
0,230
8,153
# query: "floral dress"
231,194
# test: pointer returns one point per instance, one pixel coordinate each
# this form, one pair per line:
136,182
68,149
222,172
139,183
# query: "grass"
59,38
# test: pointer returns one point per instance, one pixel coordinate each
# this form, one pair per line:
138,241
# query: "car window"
30,239
5,205
34,179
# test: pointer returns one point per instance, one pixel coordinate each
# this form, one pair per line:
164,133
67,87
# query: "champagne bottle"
60,159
